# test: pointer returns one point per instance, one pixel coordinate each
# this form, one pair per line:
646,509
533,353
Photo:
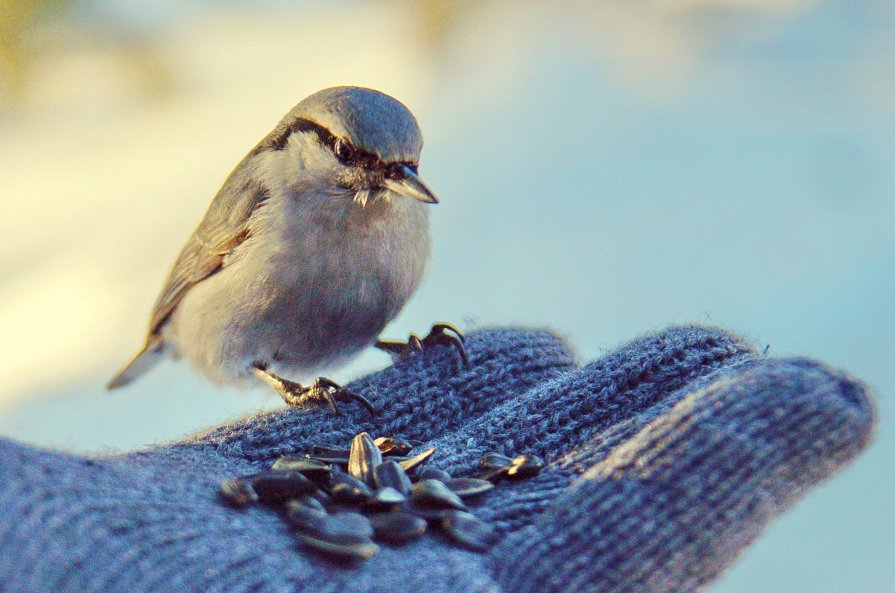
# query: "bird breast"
332,280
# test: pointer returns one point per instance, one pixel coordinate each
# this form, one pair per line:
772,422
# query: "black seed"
322,497
363,458
352,550
278,486
390,474
432,515
433,473
314,470
495,461
238,492
328,451
469,531
435,494
346,488
309,500
411,463
385,497
525,466
491,474
468,487
340,461
396,527
393,446
346,525
303,515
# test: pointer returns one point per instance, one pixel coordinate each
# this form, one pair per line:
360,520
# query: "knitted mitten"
664,460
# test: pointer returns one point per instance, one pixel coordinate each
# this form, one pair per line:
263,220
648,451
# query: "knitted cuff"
670,508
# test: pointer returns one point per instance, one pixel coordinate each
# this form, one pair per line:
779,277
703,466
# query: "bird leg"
320,389
443,334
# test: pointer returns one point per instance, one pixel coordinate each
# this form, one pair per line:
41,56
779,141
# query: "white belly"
300,306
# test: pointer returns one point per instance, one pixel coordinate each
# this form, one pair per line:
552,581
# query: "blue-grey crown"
372,121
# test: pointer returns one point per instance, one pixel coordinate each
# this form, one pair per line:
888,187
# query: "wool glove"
664,460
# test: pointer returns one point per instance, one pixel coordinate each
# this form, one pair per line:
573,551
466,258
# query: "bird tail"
144,360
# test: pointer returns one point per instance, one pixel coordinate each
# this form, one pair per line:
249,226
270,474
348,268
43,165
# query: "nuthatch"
314,243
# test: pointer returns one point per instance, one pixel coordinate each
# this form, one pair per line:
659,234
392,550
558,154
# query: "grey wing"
224,227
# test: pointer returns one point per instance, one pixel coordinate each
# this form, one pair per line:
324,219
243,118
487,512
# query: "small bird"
314,243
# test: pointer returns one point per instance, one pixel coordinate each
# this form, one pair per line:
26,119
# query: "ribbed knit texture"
665,459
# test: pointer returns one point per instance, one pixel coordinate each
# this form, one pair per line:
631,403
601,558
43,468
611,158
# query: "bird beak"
410,185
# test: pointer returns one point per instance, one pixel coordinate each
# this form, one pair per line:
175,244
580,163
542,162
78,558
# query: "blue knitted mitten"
664,460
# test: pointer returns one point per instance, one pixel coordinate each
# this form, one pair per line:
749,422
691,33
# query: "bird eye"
343,150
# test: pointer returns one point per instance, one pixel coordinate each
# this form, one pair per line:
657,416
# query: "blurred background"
605,168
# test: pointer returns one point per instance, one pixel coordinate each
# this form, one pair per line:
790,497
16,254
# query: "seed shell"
304,515
412,462
278,486
433,473
238,492
345,525
385,497
435,494
469,531
525,466
396,527
390,474
351,550
363,458
346,488
309,468
393,446
495,461
468,487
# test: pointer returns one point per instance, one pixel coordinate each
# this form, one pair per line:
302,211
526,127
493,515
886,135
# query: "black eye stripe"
359,157
278,139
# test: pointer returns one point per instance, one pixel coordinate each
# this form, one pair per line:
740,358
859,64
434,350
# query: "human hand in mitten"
664,459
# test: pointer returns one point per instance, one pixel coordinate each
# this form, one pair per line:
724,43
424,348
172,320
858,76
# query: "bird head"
355,141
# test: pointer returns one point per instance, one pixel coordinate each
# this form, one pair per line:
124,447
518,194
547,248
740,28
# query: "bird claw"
320,389
441,334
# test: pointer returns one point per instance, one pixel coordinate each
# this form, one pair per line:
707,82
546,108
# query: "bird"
314,243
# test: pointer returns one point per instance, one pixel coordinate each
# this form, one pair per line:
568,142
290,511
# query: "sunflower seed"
304,515
363,458
396,527
495,461
492,475
411,463
362,549
328,451
238,492
322,497
346,488
393,446
432,515
390,474
385,497
345,525
278,486
340,461
308,500
525,466
469,531
433,473
314,470
435,494
468,487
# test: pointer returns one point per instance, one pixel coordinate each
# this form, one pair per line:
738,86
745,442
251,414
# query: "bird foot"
441,334
320,389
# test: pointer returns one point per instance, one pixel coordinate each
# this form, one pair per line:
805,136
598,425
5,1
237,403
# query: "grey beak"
411,186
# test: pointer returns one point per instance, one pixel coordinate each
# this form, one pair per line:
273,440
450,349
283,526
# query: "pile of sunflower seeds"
341,500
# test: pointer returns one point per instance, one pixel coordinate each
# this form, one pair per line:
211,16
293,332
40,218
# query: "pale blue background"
752,188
